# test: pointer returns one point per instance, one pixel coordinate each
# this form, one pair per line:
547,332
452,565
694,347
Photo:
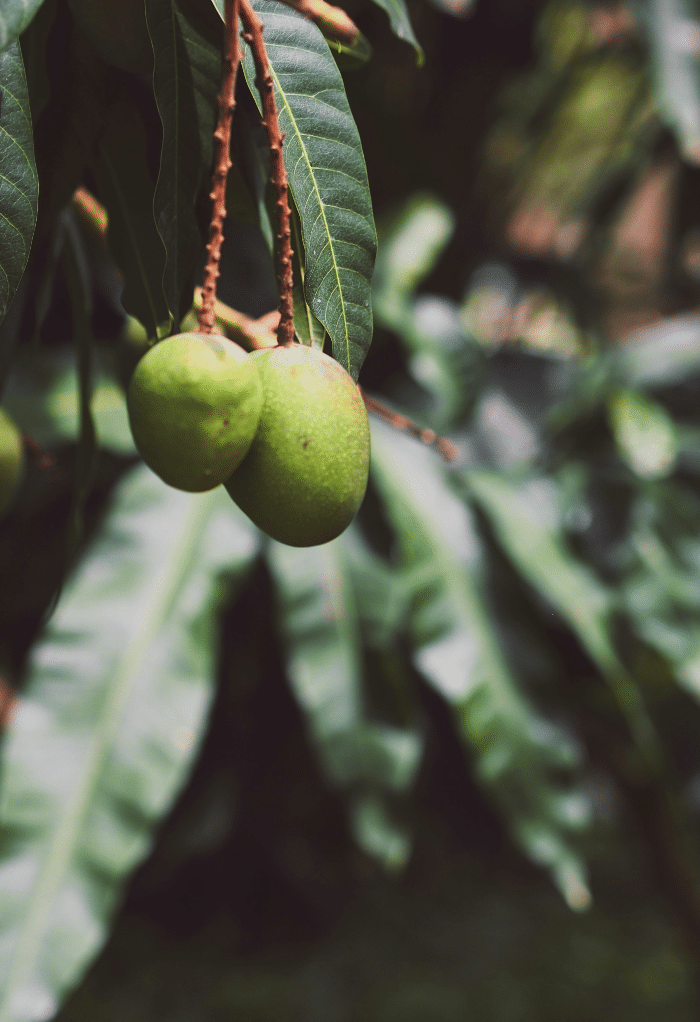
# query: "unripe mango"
194,401
305,474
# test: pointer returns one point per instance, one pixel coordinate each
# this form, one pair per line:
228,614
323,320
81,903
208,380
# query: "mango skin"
11,461
305,475
194,401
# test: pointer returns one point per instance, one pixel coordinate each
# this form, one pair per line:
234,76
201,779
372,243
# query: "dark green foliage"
369,779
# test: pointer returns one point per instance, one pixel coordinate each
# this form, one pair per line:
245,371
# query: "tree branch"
333,21
227,104
253,27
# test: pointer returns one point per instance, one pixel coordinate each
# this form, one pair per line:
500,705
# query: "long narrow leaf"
327,175
19,185
114,708
457,651
319,626
187,47
525,518
671,27
126,187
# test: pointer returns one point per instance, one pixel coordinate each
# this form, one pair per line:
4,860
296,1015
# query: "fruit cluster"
284,428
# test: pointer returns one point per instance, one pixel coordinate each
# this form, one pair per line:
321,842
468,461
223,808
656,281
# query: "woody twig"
447,449
227,104
333,21
252,34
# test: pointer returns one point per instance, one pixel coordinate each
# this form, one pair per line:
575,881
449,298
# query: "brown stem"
333,21
227,104
447,449
8,702
253,27
250,333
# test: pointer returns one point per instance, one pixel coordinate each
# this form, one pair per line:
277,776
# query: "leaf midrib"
297,133
64,839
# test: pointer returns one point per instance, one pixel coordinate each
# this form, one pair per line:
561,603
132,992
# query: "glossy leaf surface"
457,650
327,175
110,719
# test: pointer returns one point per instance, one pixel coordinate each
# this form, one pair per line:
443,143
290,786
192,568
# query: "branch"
333,21
9,700
227,104
447,449
253,36
249,333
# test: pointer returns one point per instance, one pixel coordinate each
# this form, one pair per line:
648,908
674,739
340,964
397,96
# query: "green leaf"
644,432
445,360
78,280
41,396
350,57
662,585
127,190
401,24
411,239
114,709
526,519
456,649
187,44
15,15
19,185
327,176
671,27
660,355
306,326
319,627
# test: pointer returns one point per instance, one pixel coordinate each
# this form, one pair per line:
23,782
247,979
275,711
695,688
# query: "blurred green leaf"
660,355
19,185
525,516
381,593
457,650
411,240
644,432
15,15
573,133
42,397
110,720
319,627
672,30
445,360
662,584
187,42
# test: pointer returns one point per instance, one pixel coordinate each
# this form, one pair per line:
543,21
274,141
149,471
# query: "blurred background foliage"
446,767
